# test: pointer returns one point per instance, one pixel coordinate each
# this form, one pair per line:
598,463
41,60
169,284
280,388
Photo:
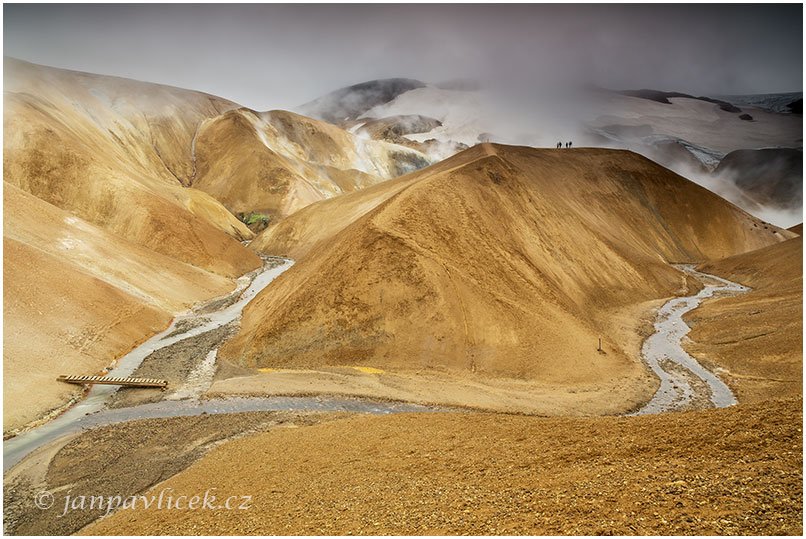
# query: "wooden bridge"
129,382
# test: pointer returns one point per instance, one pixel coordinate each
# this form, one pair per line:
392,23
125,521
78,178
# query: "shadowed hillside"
770,176
757,338
351,102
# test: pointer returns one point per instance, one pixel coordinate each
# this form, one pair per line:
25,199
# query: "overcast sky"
279,56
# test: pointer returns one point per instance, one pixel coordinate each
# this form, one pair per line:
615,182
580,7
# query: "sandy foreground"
727,471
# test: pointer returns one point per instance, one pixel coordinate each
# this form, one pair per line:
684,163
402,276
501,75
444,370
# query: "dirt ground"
444,388
126,460
734,470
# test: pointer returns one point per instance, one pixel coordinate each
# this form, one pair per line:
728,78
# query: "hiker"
559,145
570,144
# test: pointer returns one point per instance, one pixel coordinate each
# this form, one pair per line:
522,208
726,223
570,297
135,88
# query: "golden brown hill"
298,233
502,261
797,229
150,126
76,297
733,471
756,337
274,163
105,149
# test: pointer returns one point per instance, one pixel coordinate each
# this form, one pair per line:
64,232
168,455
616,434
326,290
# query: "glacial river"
664,353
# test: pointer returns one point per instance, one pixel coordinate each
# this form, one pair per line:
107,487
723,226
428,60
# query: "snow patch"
69,243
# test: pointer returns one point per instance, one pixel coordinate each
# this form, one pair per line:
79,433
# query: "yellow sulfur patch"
369,370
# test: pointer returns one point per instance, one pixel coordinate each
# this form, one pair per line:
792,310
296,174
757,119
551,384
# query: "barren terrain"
729,471
499,263
455,348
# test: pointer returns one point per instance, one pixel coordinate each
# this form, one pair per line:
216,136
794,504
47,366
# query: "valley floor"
728,471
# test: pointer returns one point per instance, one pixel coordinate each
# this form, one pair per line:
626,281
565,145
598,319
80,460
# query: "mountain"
394,128
687,134
117,153
351,102
500,261
664,97
296,235
76,297
138,195
782,103
699,126
767,177
274,163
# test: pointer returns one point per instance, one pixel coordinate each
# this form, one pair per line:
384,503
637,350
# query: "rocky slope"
756,338
716,472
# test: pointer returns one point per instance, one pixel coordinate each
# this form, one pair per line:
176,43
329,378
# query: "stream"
677,370
98,397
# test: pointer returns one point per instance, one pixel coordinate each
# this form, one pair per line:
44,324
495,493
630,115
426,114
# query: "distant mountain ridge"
351,102
663,97
777,102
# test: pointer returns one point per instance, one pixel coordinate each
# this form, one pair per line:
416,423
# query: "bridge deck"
130,382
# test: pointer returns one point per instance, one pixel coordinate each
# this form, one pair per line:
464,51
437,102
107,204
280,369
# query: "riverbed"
684,382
